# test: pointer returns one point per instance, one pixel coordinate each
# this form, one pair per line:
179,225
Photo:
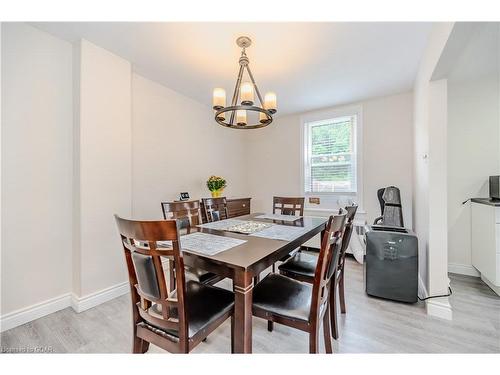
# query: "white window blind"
330,155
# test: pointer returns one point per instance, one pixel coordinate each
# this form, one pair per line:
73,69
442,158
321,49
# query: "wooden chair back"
143,256
215,209
346,237
187,214
328,259
289,205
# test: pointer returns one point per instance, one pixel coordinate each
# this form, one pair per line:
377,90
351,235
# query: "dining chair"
300,305
289,205
285,206
176,317
215,209
188,217
302,267
187,213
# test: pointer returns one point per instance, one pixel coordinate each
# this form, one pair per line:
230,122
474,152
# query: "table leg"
243,286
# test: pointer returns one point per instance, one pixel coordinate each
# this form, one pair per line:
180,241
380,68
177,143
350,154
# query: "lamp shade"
263,118
270,102
246,93
241,117
219,98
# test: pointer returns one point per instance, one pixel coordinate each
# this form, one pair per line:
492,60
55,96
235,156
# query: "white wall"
437,261
387,154
67,167
176,146
36,166
273,155
1,240
273,162
473,136
112,145
103,166
423,158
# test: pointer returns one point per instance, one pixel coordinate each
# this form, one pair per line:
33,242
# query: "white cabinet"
485,236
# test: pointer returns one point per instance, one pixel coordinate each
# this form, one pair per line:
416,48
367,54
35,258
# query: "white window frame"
329,200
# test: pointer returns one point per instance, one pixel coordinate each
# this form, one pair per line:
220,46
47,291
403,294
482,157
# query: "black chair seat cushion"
197,274
283,296
302,264
204,304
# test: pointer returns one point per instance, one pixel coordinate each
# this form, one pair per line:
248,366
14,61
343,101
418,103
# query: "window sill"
318,209
334,194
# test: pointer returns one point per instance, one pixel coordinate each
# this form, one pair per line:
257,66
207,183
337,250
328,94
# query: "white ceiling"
308,65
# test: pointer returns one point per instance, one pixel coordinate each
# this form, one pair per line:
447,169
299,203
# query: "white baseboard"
440,308
30,313
422,290
492,286
463,269
80,304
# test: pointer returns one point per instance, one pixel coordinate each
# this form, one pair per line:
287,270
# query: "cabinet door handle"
244,205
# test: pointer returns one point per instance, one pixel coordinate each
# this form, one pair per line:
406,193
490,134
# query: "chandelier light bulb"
221,116
263,118
241,117
219,98
270,102
246,93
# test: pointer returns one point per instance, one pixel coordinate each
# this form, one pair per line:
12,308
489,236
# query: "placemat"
208,244
281,232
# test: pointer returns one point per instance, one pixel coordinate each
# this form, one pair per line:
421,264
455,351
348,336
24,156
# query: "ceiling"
308,65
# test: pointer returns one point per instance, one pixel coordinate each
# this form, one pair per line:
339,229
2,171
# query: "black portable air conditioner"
391,263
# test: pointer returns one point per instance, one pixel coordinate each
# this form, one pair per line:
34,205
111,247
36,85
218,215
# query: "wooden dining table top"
244,263
250,254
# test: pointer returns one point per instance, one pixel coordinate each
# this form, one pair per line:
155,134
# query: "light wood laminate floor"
370,326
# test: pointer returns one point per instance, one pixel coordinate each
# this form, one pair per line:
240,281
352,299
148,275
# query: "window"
330,155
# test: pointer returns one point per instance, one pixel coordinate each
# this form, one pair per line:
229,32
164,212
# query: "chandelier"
244,113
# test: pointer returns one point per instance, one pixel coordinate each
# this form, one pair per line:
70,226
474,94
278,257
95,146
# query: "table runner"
222,224
237,226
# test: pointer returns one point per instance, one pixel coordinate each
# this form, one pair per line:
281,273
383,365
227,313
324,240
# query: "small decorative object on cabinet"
184,196
216,185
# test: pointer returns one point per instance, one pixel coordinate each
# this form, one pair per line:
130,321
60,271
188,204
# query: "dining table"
246,261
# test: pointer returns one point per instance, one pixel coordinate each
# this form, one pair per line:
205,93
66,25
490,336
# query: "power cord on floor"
442,295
